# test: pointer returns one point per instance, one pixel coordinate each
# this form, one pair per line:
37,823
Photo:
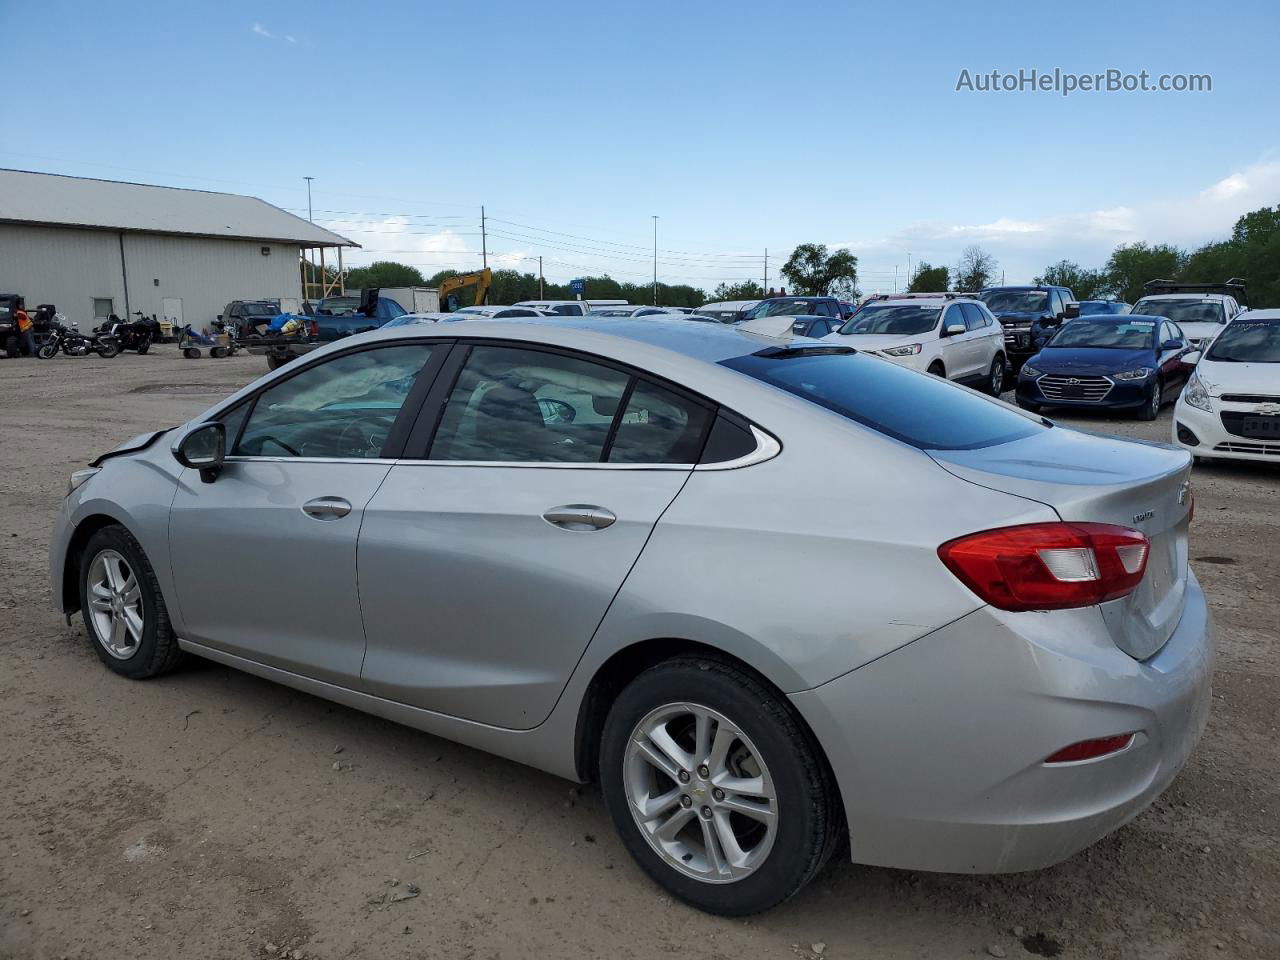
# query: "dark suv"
795,307
1028,315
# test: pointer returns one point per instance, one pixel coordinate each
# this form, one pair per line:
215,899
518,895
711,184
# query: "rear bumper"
938,748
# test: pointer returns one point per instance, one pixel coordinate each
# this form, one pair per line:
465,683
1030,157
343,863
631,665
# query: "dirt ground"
210,813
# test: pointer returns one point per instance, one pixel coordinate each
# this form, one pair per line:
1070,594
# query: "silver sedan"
591,546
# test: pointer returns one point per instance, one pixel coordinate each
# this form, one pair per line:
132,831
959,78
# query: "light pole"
309,179
655,259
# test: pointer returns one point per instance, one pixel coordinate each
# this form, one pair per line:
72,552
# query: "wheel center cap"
700,791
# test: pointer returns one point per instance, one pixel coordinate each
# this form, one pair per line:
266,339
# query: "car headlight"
910,350
1031,371
1196,395
79,477
1137,373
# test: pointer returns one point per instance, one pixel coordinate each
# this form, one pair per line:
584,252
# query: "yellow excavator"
480,280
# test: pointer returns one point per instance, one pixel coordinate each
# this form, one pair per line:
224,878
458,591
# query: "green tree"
384,273
1132,265
745,290
929,279
814,272
976,269
1084,283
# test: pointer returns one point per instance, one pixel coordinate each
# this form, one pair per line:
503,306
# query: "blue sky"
742,125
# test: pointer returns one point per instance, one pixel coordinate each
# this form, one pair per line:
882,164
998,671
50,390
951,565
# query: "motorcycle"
74,343
137,335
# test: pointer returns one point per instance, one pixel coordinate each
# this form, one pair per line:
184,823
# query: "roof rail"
1233,287
943,294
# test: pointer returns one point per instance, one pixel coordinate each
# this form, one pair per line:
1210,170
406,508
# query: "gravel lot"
209,813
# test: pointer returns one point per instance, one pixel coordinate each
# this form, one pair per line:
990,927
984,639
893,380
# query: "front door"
486,567
264,558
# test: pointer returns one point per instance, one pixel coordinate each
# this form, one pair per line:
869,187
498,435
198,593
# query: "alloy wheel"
115,604
701,793
997,377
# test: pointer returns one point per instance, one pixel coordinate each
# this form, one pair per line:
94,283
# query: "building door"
171,316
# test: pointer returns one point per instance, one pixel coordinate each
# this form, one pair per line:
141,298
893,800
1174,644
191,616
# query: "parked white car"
569,308
727,311
1202,310
495,312
1230,408
948,336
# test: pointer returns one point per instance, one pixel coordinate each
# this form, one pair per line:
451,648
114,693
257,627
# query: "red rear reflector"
1049,566
1089,749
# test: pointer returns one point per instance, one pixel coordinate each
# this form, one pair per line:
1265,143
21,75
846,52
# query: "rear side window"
973,316
659,426
920,410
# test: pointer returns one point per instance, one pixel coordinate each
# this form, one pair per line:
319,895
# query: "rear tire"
191,353
995,377
124,613
12,349
275,363
1151,408
218,353
144,347
108,349
767,754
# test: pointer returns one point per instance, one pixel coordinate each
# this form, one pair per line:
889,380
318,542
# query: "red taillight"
1049,566
1090,749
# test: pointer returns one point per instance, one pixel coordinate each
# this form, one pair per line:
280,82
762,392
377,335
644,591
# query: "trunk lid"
1090,477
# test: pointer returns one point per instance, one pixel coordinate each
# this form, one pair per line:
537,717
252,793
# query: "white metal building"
96,247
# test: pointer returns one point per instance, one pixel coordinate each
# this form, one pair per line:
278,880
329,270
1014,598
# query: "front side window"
512,405
342,408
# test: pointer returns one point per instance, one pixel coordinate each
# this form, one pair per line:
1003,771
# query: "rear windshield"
257,309
1090,307
781,308
921,410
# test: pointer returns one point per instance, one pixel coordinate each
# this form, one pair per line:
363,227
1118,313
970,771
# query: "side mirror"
1192,358
203,448
1172,345
1072,311
953,329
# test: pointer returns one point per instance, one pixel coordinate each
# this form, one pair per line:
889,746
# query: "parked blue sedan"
1121,362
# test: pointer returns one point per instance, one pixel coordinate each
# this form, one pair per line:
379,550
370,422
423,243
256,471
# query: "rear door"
487,562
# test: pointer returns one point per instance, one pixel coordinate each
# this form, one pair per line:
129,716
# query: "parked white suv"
939,333
1202,310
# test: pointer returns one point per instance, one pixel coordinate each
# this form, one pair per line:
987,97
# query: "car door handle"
579,516
326,508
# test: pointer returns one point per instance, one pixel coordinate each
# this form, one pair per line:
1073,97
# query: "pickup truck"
332,319
1028,315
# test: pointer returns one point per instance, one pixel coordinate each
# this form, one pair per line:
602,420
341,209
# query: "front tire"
1151,408
995,377
938,370
123,611
48,351
717,789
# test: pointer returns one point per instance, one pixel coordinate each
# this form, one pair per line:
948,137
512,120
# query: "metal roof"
53,199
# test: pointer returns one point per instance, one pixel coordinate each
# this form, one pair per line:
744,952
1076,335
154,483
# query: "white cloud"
262,31
402,240
1025,246
291,38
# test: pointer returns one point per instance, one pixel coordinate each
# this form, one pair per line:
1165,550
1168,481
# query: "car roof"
1188,296
1271,313
728,305
709,342
1029,288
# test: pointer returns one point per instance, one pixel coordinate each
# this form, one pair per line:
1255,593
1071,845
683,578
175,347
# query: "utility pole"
908,266
895,278
764,291
309,179
655,259
484,248
541,295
